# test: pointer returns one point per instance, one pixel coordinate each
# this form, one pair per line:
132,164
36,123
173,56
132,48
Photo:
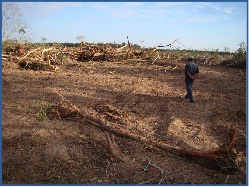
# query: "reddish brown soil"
147,100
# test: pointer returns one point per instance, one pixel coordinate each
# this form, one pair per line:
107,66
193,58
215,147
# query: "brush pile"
50,57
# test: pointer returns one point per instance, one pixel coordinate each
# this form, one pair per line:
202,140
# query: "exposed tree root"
113,148
223,153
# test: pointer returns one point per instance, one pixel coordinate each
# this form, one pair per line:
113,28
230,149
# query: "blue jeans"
189,86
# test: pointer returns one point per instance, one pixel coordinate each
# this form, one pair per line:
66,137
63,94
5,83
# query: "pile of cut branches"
40,57
88,52
37,58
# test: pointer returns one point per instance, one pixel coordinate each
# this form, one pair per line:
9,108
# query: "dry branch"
30,52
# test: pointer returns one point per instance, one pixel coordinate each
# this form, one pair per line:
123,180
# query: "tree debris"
50,56
113,148
222,154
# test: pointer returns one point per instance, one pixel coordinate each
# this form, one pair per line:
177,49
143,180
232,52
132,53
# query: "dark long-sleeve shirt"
192,69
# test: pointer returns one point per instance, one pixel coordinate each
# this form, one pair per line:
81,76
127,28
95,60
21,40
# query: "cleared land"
144,99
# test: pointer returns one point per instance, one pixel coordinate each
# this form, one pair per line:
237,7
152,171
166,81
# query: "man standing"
191,72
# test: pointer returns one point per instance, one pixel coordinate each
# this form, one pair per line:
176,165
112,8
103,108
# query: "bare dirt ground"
147,100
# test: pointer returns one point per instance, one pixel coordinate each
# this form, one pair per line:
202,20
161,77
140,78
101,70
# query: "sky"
196,25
